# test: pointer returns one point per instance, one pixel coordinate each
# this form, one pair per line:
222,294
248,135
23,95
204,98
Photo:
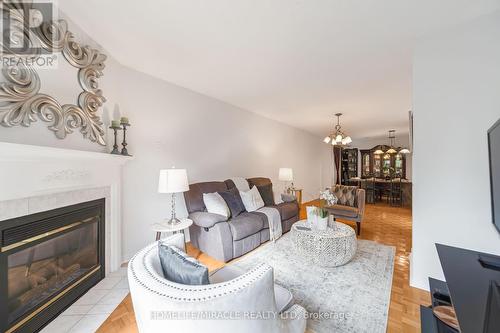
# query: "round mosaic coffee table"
332,247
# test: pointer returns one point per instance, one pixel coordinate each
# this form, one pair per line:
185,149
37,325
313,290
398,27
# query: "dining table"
383,184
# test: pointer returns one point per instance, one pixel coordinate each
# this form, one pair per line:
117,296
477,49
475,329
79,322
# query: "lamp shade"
173,181
391,151
286,175
404,151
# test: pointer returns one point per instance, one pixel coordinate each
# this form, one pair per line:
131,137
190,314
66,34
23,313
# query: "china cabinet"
382,165
366,163
349,164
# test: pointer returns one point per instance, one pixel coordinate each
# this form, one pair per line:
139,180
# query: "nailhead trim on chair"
211,287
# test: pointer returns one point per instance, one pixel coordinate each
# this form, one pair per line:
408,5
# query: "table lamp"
173,181
286,175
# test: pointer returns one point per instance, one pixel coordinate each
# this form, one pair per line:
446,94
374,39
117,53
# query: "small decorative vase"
311,214
322,223
331,222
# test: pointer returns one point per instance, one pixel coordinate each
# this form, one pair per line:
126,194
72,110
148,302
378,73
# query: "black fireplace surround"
47,261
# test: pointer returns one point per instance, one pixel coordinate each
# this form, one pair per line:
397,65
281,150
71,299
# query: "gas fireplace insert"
47,261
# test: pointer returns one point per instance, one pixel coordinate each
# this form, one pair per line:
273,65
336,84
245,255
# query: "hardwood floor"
382,223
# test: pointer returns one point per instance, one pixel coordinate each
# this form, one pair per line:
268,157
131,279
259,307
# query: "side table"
297,192
163,226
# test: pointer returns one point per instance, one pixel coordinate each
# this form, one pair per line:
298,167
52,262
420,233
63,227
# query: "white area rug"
355,296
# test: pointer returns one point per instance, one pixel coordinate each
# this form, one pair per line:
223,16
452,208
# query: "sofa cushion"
239,182
244,225
341,210
252,199
206,219
263,217
346,195
266,192
258,181
225,274
179,269
233,200
194,197
283,297
215,204
288,210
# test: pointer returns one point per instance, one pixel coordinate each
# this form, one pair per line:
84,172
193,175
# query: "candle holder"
124,143
115,150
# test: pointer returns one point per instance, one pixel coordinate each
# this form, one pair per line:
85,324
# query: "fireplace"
47,261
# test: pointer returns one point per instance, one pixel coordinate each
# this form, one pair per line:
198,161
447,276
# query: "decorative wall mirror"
21,99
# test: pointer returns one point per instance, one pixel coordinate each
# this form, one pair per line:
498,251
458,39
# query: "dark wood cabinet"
382,165
349,164
366,163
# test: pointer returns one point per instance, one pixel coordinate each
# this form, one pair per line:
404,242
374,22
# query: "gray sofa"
225,239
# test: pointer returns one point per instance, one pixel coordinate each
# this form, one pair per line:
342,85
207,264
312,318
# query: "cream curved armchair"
244,304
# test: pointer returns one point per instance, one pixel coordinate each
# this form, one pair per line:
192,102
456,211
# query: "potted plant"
320,214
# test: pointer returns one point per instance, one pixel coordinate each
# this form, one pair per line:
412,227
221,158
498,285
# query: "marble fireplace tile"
13,208
92,297
102,309
42,203
115,297
89,323
108,283
77,310
62,324
93,308
56,200
123,284
121,272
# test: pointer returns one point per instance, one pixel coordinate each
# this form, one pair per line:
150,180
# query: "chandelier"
338,137
392,143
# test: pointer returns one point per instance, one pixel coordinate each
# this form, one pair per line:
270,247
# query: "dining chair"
370,190
396,193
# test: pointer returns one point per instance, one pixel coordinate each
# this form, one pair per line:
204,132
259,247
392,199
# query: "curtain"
337,154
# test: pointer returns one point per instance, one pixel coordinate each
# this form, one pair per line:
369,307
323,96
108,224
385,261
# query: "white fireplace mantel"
15,151
36,178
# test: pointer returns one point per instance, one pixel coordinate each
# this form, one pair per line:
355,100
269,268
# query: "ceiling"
295,61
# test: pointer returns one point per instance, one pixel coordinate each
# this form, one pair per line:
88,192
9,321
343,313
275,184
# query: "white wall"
175,126
456,99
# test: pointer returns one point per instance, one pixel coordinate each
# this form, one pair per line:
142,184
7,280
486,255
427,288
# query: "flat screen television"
494,156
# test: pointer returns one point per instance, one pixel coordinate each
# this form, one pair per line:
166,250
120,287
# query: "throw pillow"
179,269
233,200
288,197
215,204
346,195
180,252
252,199
266,192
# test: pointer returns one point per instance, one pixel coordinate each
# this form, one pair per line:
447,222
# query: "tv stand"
440,295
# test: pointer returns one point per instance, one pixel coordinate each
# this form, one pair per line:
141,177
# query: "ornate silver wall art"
21,102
